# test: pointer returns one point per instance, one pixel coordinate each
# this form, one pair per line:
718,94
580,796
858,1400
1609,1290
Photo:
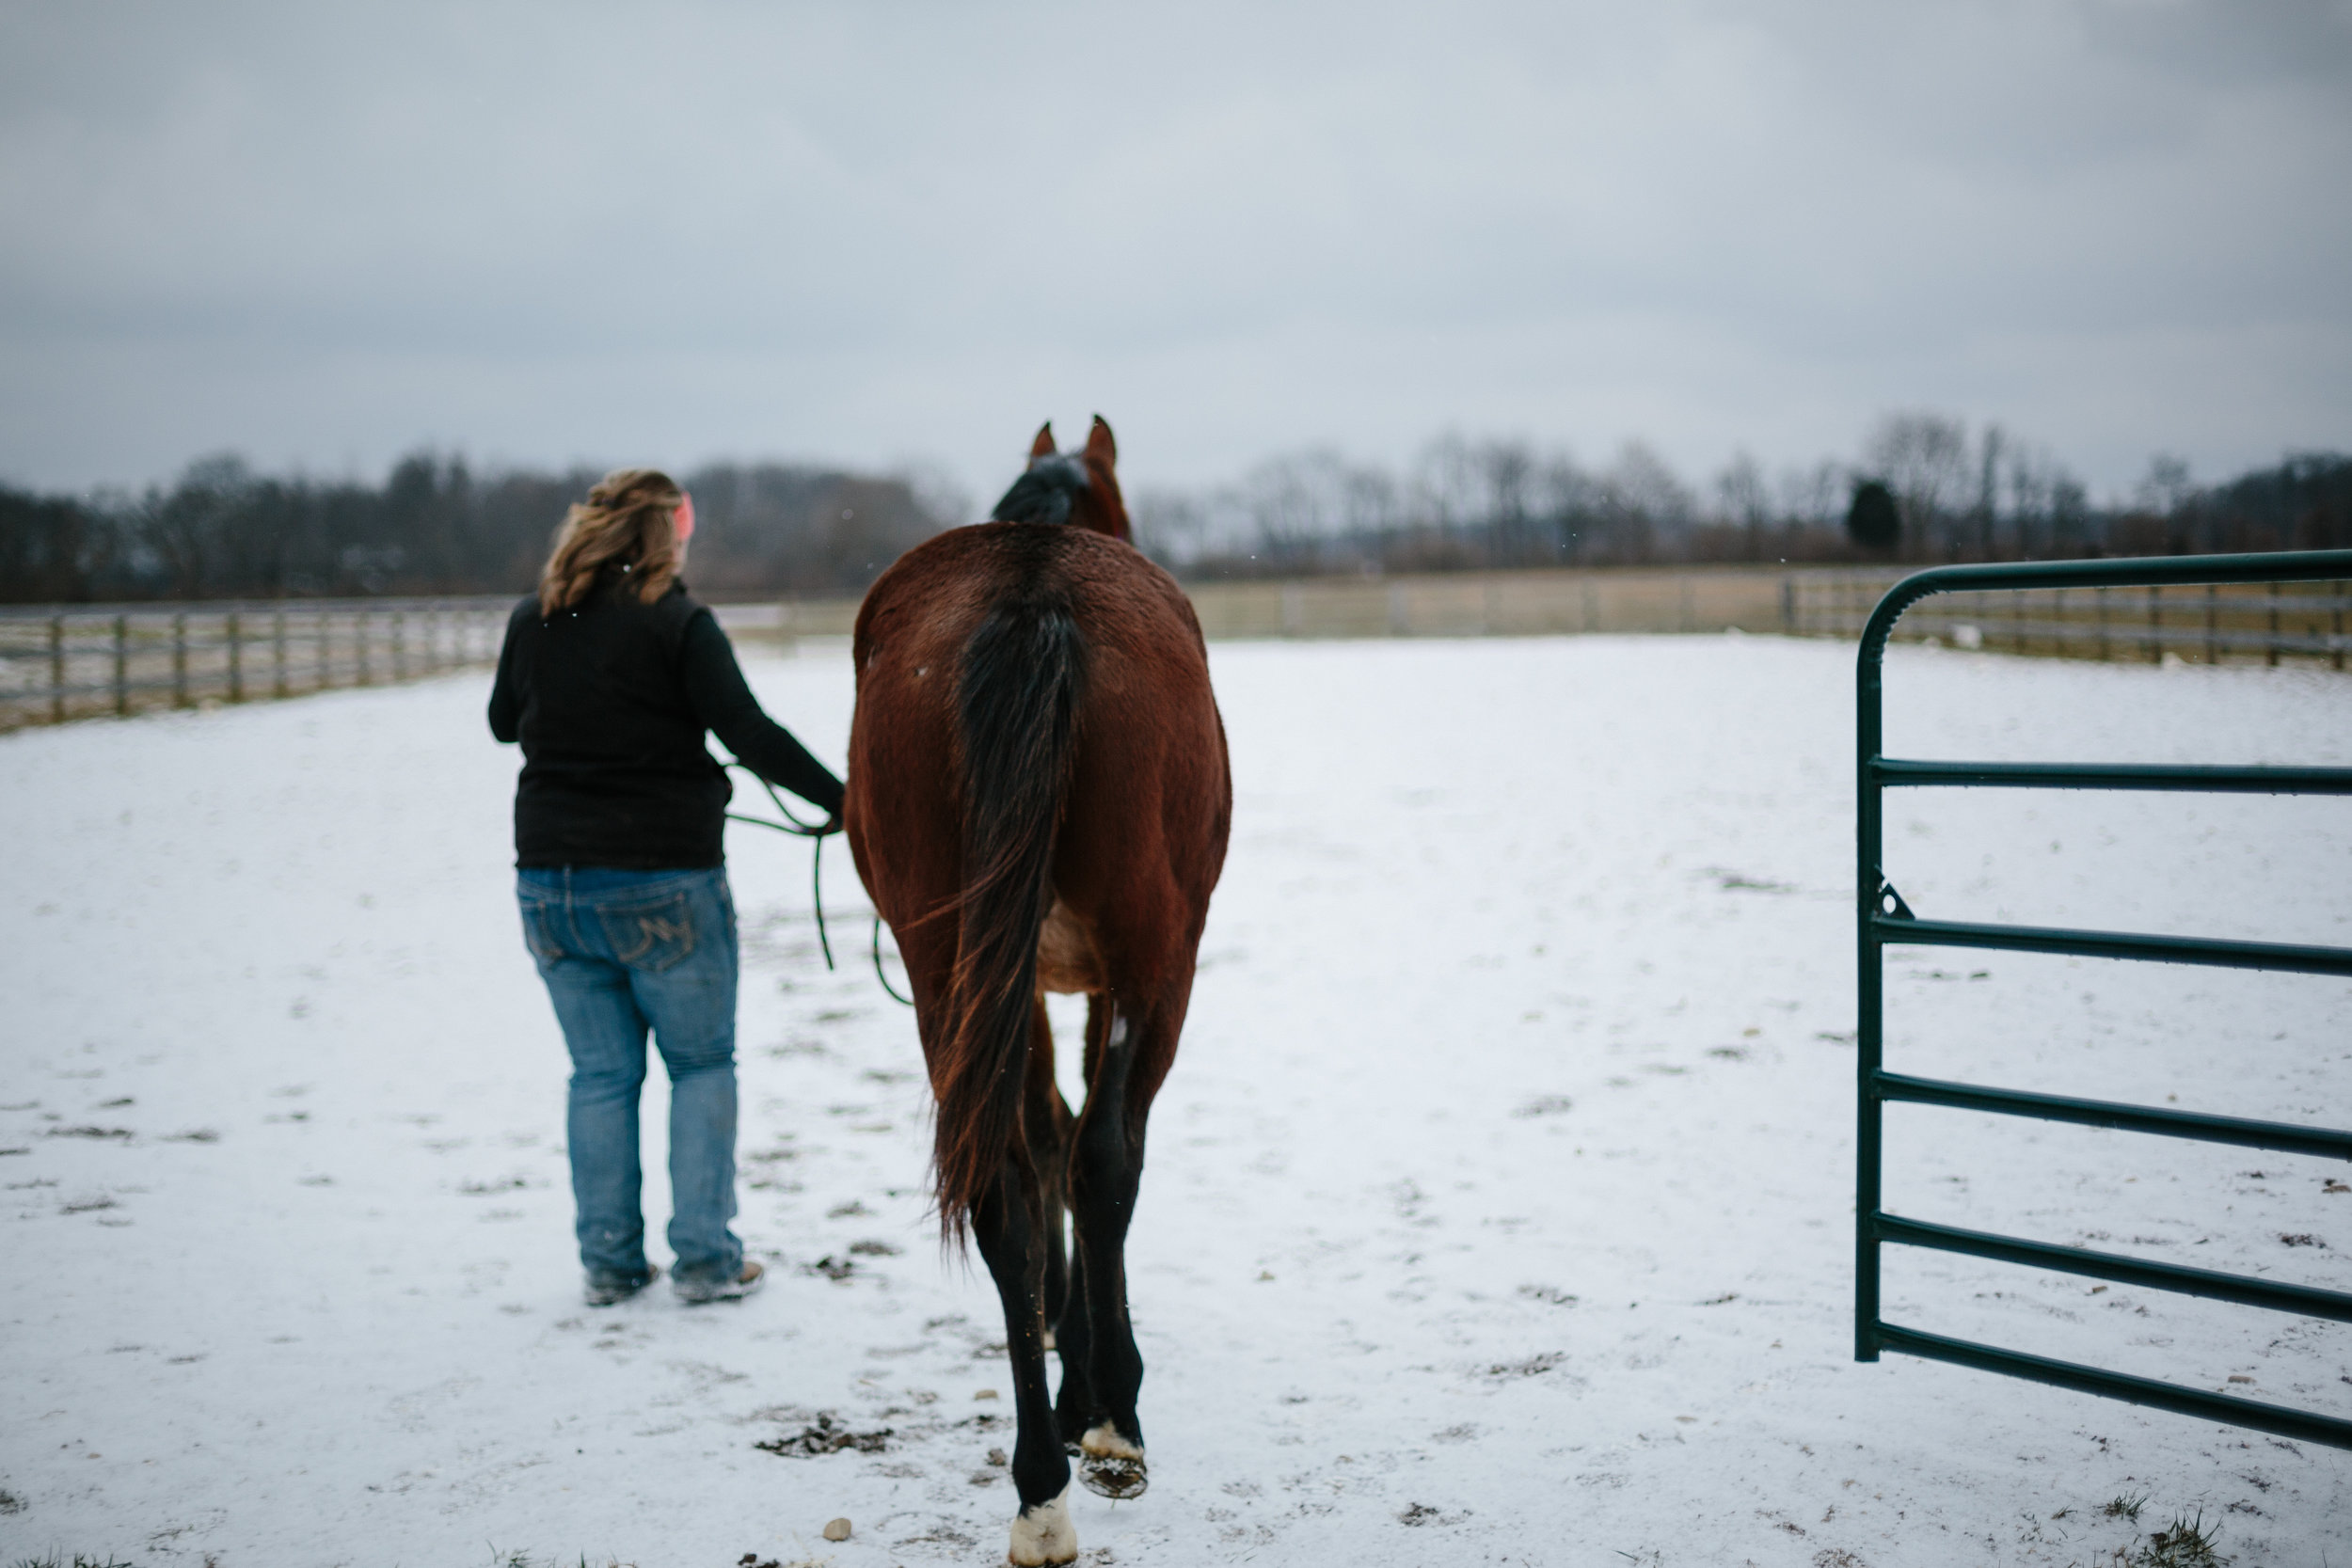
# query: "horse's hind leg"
1008,1224
1075,1406
1046,1120
1107,1169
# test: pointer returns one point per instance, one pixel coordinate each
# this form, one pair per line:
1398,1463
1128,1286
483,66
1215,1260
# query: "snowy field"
1498,1211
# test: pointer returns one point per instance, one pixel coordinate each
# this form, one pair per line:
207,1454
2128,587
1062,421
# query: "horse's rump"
1034,737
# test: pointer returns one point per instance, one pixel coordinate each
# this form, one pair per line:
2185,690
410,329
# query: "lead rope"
816,833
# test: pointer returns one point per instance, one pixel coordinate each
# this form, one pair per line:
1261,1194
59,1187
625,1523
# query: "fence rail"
2192,622
59,664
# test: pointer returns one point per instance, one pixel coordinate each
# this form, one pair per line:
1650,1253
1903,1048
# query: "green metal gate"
1884,918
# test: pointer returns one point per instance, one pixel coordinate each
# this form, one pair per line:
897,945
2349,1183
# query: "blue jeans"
621,952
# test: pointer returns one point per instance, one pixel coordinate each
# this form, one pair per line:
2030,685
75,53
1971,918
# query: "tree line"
437,525
1926,488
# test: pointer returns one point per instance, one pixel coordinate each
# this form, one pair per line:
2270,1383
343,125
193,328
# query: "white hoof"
1044,1535
1111,1466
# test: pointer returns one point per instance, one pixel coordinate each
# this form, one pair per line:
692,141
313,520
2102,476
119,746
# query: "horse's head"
1057,488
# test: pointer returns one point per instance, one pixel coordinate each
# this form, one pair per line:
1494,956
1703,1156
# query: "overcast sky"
321,236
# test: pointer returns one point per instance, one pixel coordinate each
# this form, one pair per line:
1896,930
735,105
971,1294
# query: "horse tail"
1022,679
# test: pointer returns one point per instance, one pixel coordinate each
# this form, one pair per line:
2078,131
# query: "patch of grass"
2125,1506
77,1560
2184,1545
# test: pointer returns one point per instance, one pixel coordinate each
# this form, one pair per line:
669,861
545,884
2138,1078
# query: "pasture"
1497,1208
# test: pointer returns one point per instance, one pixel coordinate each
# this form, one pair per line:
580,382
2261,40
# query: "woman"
611,675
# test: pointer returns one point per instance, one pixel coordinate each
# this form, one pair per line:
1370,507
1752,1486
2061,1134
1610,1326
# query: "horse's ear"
1044,445
1099,442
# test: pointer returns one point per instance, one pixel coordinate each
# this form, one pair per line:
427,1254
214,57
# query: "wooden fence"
58,663
2273,624
1481,604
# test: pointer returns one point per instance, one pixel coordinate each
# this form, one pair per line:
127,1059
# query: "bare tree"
1742,501
1924,459
1988,488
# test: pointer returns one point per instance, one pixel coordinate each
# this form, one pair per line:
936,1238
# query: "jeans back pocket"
654,935
541,931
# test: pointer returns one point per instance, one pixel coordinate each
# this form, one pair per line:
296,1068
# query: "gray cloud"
321,236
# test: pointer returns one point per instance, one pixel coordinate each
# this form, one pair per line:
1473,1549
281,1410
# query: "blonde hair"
627,517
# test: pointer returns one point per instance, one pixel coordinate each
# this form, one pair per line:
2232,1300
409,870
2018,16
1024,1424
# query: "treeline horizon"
1959,495
438,526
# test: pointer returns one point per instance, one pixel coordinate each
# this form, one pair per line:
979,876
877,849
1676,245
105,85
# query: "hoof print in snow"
835,1269
1535,1366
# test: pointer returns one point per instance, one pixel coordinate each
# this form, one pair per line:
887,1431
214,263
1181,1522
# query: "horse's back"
1150,797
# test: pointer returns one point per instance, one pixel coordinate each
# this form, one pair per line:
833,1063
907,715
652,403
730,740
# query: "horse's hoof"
1044,1535
1110,1465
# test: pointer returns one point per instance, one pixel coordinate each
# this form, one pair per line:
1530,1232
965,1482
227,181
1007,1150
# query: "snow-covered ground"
1497,1208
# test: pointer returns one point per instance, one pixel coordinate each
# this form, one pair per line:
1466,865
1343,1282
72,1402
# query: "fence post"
2213,622
2273,652
277,651
180,660
2155,625
58,668
1293,610
432,636
2057,626
122,667
1788,607
400,651
2101,608
327,662
359,638
236,660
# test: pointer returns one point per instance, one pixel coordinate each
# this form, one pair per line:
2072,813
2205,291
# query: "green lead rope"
816,833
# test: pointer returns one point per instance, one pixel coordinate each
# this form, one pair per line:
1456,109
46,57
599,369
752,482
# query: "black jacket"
609,700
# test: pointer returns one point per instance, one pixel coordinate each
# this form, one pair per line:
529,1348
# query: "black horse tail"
1023,680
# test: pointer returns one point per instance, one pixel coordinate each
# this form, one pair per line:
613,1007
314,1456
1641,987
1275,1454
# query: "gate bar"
1883,920
2216,951
1891,772
2326,1142
2303,1300
2309,1427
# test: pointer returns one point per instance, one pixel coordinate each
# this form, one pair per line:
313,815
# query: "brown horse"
1039,801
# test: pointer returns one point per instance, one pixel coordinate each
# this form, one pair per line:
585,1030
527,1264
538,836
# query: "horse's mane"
1044,494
